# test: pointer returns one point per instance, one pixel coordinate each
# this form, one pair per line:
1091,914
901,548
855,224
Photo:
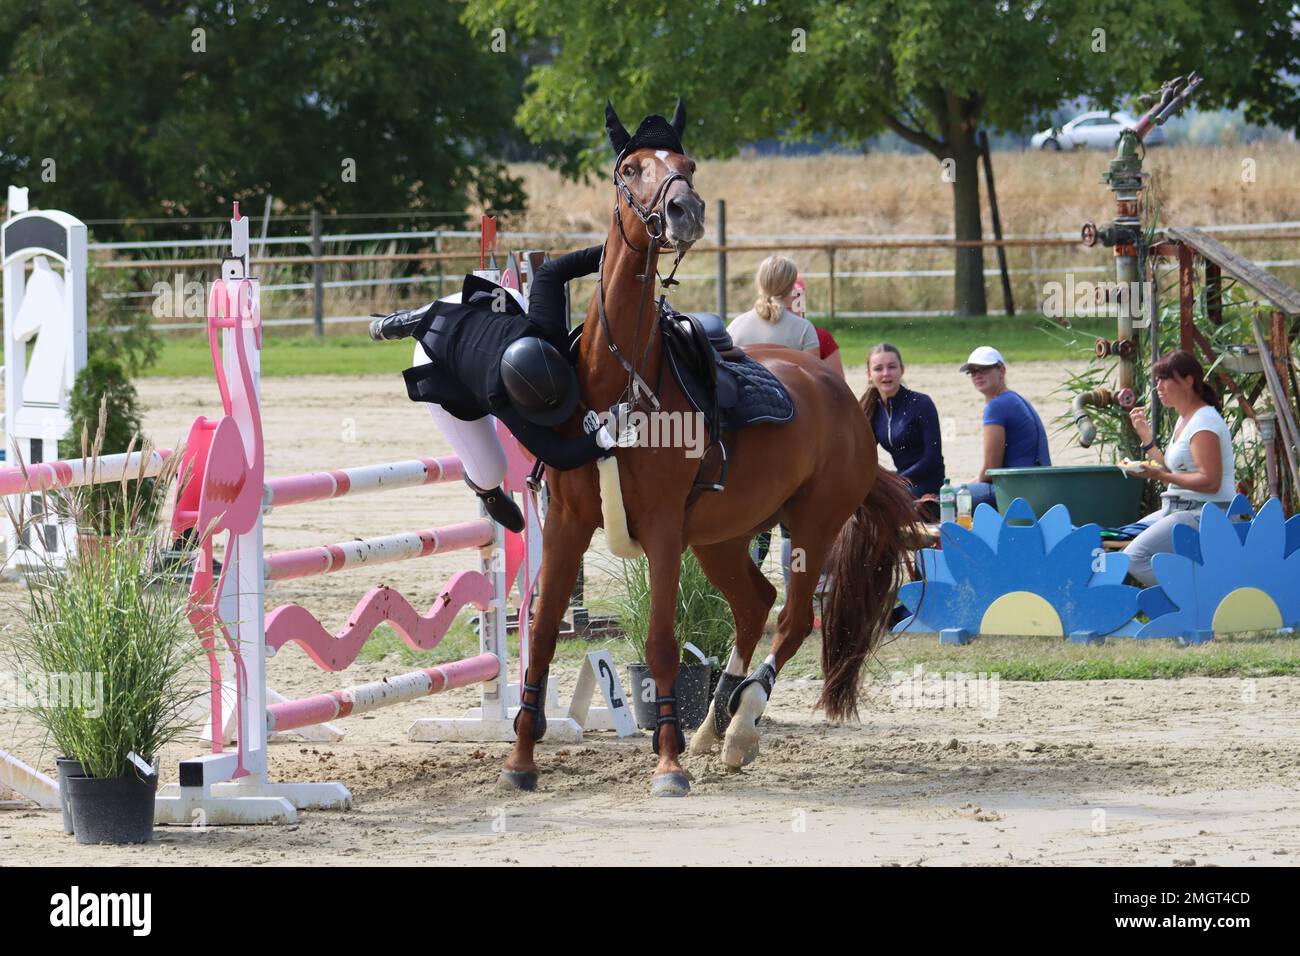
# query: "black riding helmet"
540,381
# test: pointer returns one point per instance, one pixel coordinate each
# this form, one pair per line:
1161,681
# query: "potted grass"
702,627
107,653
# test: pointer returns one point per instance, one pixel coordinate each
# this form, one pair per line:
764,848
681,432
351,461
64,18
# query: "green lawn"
950,339
345,350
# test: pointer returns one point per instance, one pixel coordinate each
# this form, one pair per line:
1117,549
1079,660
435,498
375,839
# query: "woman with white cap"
1014,436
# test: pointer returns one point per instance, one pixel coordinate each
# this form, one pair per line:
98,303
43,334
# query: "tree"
135,108
932,71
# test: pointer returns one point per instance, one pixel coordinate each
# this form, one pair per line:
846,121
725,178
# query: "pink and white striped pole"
322,708
320,485
17,479
328,558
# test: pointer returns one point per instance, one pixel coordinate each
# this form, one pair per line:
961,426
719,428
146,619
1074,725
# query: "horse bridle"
652,216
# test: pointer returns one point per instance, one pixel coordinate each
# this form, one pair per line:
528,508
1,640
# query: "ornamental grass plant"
100,641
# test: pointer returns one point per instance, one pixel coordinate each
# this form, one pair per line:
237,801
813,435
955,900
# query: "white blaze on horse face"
661,154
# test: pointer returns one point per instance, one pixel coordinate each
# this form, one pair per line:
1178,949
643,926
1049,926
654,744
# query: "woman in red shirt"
829,350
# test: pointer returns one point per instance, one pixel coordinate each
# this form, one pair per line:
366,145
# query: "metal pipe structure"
1098,398
1126,179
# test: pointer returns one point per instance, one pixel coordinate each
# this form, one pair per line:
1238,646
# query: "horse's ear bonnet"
655,132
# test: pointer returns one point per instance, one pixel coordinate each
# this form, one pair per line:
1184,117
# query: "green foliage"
103,385
125,336
703,616
175,108
112,620
932,72
106,420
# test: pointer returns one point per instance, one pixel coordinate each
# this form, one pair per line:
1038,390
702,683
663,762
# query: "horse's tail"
865,569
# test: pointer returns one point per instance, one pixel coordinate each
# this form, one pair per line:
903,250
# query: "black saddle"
721,382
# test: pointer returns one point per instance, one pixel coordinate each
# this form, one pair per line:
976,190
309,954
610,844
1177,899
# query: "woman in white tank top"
1197,467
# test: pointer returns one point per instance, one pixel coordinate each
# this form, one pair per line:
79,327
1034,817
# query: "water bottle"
947,502
964,506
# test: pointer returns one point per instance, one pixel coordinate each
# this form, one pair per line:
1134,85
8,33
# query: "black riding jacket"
465,342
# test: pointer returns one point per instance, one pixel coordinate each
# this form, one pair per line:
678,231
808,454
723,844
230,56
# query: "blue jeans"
981,492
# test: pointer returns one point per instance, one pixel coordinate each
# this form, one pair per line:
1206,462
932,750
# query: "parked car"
1098,129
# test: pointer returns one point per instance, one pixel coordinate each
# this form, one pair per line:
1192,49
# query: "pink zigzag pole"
381,605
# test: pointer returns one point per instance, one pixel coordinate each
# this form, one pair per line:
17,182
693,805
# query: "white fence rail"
807,246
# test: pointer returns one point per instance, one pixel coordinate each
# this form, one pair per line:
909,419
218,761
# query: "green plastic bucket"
1093,494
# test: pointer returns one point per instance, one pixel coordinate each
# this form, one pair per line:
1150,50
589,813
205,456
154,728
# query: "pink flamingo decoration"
222,471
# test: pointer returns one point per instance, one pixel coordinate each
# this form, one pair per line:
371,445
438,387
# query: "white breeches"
475,443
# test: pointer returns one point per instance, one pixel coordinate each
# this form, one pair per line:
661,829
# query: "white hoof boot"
706,738
741,745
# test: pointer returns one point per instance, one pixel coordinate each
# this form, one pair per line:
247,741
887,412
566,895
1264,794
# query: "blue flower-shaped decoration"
1232,575
1016,574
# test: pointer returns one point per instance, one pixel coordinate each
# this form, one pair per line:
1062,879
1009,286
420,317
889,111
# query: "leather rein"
652,217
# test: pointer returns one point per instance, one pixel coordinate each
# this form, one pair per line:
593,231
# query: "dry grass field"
892,194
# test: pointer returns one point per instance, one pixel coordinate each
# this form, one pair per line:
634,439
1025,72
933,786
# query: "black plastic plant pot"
691,690
113,809
67,768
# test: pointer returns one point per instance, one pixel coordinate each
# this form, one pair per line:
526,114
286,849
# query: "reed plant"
702,618
110,620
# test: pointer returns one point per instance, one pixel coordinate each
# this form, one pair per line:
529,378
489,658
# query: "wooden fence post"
317,274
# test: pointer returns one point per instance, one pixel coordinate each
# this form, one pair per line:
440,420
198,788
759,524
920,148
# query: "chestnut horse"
817,475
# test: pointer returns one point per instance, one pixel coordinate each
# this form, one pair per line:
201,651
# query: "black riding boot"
399,324
500,507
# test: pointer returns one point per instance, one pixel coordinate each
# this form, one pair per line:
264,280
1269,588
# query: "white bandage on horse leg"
611,506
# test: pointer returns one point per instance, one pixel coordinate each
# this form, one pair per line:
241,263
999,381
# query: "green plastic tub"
1093,494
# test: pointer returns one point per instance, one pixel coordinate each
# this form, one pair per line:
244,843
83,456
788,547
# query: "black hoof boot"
397,325
727,685
500,507
663,719
537,708
765,677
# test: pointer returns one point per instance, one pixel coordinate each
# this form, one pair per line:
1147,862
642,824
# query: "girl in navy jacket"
906,423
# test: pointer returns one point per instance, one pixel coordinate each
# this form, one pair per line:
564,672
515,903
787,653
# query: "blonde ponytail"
775,278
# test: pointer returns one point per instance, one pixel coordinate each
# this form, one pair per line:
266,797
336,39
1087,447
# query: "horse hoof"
706,738
741,748
702,744
672,784
741,745
518,780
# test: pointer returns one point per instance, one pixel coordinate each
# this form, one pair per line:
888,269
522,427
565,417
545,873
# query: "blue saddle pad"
760,396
